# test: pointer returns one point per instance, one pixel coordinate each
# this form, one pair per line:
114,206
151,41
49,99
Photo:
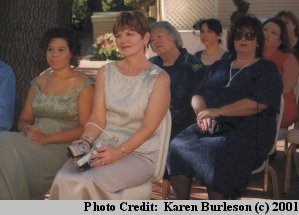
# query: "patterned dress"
27,168
126,100
224,162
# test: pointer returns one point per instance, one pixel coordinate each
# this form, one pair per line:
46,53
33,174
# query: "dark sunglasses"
250,36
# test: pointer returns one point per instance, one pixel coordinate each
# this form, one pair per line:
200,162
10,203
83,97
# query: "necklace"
231,77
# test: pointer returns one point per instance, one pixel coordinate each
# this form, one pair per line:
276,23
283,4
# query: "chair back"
164,137
278,122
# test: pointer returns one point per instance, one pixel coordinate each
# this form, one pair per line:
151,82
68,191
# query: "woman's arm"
98,114
156,109
26,118
243,107
290,73
198,103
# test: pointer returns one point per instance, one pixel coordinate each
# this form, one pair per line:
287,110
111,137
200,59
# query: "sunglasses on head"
250,36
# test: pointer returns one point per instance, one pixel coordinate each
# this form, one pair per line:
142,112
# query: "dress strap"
82,85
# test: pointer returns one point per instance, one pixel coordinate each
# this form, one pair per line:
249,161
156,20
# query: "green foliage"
114,5
140,4
125,5
79,13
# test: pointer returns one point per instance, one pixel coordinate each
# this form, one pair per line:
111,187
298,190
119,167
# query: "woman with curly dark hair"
57,106
241,99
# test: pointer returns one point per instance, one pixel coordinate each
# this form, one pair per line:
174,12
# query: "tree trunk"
23,23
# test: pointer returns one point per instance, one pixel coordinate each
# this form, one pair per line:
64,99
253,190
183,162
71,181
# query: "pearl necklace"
231,77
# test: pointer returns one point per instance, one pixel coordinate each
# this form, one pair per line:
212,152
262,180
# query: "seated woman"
277,50
243,98
292,24
57,107
184,69
210,37
131,98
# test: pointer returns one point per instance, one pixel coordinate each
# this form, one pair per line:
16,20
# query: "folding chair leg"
295,155
165,188
266,177
286,144
274,182
288,168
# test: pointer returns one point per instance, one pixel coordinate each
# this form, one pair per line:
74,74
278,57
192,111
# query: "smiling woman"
132,98
57,106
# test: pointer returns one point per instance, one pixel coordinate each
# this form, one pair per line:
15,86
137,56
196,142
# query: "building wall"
183,13
261,8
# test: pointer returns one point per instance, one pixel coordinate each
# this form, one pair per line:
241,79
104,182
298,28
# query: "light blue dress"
7,96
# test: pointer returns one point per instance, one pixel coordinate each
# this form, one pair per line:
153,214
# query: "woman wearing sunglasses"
241,99
277,50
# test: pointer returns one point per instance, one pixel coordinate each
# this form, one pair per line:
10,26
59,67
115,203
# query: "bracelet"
123,152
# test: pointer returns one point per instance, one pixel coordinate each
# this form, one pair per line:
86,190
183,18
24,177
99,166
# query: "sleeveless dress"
224,162
126,99
27,168
290,107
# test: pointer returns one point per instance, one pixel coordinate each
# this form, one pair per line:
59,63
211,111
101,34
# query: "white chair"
293,139
283,132
144,191
265,166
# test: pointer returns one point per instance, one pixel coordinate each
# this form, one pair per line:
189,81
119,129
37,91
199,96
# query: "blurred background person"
7,96
184,69
210,36
277,50
292,25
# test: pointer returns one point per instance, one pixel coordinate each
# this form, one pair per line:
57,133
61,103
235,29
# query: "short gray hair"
169,28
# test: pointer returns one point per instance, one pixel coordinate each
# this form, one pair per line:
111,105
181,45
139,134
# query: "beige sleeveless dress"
126,99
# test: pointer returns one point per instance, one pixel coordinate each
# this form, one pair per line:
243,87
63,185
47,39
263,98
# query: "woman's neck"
170,57
63,73
133,66
211,54
212,50
269,51
244,60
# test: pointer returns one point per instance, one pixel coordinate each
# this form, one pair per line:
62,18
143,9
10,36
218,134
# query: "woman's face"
58,54
245,41
208,37
130,42
289,24
161,41
272,35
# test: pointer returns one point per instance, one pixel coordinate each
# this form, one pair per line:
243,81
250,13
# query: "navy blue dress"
185,74
224,162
